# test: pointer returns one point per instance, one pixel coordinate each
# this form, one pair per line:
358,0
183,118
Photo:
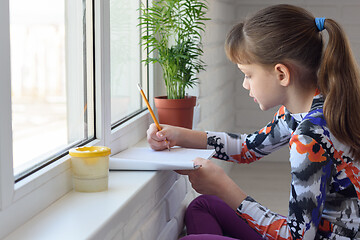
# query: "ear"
283,74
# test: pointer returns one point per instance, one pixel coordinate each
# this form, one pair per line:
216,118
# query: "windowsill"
97,215
80,215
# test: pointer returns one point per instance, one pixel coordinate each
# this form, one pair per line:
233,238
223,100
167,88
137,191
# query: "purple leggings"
210,218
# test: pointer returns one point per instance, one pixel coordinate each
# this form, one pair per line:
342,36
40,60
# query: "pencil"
151,111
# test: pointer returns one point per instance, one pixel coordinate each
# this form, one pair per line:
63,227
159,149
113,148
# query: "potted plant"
172,32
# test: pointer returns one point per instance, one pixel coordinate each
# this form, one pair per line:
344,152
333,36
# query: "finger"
183,172
156,145
164,133
161,135
152,134
197,165
187,172
152,130
200,161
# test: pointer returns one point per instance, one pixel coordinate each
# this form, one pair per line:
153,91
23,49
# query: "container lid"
93,151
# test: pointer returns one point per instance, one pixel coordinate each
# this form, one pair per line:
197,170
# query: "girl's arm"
191,138
232,147
243,148
310,176
308,191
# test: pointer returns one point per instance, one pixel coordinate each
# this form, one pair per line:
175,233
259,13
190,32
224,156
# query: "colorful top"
325,187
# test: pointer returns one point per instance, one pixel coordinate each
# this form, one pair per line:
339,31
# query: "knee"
188,237
197,237
199,204
202,201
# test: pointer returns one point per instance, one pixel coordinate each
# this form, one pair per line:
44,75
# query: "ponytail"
280,33
339,82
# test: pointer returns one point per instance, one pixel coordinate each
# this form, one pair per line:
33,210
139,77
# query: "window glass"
126,66
50,84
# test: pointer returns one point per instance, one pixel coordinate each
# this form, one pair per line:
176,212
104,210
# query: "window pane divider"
102,72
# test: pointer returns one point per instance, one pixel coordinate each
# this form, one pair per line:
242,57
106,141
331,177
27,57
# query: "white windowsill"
82,215
94,215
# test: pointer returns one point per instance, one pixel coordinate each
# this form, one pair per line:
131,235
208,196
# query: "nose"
246,84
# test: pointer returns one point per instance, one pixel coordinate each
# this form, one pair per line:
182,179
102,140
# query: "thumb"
162,134
200,161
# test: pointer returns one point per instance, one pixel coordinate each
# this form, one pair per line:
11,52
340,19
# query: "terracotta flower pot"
176,112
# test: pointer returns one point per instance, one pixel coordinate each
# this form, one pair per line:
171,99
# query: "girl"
280,51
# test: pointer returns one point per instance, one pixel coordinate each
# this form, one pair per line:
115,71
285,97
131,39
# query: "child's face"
263,85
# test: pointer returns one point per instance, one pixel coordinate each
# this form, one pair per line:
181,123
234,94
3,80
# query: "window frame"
6,167
34,193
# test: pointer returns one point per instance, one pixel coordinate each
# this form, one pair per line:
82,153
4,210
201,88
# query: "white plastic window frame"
21,201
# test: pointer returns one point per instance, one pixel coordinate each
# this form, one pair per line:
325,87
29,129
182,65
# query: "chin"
263,108
267,107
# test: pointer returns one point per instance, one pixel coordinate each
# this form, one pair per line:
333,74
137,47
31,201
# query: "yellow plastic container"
90,168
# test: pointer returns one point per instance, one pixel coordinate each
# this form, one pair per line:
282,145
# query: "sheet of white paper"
148,159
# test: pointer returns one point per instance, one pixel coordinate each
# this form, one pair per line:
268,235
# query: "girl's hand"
211,179
160,140
208,179
171,136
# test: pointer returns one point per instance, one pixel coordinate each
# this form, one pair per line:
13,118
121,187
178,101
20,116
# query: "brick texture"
223,103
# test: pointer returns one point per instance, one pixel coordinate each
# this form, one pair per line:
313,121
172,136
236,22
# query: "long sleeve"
325,191
311,170
248,148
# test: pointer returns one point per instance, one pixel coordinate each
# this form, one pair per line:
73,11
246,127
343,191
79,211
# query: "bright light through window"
126,67
50,103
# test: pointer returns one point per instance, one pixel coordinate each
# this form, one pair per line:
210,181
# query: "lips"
253,97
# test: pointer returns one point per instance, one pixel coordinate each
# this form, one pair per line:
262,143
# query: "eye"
247,77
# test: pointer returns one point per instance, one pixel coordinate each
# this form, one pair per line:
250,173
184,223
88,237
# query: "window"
57,90
52,105
52,75
126,67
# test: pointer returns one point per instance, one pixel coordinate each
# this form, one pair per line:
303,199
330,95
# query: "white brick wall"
224,104
217,85
157,212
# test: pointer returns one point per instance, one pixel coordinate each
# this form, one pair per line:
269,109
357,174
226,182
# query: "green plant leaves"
172,29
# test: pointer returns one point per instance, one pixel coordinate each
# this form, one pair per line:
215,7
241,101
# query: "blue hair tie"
320,23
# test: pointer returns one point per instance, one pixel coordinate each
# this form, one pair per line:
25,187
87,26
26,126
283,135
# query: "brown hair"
288,34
